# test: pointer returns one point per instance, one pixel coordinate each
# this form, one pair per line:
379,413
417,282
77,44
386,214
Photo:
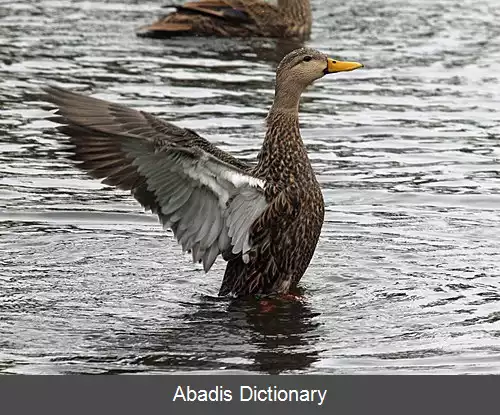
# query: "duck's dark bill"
341,66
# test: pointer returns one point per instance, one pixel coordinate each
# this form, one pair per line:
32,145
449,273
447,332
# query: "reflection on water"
405,278
274,337
285,338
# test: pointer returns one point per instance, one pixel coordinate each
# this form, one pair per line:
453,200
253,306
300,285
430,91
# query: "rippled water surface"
406,275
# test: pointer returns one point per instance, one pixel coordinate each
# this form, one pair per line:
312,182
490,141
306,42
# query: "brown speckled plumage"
264,219
235,18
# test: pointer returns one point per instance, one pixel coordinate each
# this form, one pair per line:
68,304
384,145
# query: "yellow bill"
341,66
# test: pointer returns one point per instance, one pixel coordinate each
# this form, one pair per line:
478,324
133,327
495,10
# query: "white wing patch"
240,180
193,189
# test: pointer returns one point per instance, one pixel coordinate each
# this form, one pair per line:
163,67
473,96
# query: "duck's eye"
307,58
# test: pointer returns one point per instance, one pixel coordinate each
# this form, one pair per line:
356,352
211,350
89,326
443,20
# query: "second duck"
235,18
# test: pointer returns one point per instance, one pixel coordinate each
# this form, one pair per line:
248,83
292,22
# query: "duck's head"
302,67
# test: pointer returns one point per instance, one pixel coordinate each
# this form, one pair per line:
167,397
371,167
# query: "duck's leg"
291,297
268,304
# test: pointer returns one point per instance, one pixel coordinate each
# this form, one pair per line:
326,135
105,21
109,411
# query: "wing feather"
202,193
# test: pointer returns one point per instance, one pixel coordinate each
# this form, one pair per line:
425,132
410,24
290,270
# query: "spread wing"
203,194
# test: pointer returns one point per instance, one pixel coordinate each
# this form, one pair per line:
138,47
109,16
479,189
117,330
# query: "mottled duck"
265,219
235,18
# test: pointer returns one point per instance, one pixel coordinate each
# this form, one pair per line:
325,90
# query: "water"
406,275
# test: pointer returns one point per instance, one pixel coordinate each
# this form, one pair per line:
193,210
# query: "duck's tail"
164,29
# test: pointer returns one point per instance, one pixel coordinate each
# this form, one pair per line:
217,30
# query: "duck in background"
289,19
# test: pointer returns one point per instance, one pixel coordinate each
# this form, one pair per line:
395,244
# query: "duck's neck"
282,129
286,99
284,112
283,157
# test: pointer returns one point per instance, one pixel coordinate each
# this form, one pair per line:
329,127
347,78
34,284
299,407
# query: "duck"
235,18
263,217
